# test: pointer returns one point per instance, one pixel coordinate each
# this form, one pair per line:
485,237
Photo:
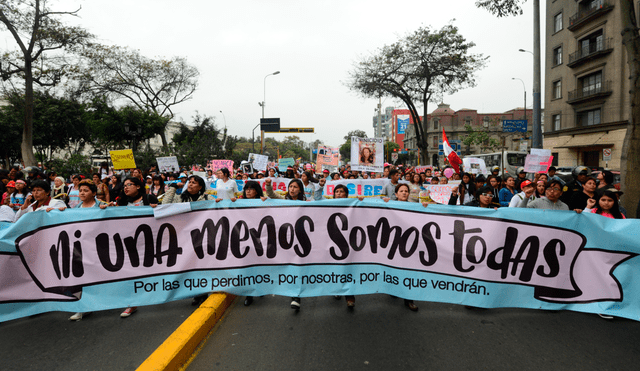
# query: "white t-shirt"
226,190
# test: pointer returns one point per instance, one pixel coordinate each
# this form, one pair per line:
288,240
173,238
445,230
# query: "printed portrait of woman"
367,155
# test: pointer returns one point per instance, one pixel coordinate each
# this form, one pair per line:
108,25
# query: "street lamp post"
224,138
536,142
525,96
135,134
264,98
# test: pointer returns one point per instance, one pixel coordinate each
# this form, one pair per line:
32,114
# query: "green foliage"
502,8
201,142
149,84
40,38
480,137
74,164
58,122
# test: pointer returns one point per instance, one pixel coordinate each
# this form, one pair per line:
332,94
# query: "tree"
39,35
107,125
58,122
202,142
416,70
149,84
630,160
345,149
480,137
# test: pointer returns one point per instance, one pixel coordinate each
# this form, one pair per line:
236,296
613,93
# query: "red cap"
325,171
11,184
525,183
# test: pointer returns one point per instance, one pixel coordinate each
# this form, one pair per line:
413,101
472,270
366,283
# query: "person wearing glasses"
484,198
551,201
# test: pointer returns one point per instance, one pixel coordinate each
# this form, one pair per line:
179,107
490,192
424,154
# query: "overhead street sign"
296,130
270,125
514,126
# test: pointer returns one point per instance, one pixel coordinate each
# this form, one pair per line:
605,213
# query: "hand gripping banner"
86,259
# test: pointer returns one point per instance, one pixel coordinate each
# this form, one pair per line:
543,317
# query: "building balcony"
586,94
593,51
586,15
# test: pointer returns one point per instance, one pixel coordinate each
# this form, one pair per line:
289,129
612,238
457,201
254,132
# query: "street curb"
178,347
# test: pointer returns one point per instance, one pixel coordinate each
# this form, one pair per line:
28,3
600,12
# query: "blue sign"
403,122
514,126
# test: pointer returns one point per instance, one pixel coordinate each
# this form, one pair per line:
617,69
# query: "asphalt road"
381,334
101,341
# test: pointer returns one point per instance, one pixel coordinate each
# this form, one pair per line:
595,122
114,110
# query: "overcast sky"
314,44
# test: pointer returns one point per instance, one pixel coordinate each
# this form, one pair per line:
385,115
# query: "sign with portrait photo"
367,154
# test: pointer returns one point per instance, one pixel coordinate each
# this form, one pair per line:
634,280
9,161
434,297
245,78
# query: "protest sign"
104,259
327,158
474,165
259,162
538,161
122,159
367,154
216,165
423,169
441,193
168,164
283,163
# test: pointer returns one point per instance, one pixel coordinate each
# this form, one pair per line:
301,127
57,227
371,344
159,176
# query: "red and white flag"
451,155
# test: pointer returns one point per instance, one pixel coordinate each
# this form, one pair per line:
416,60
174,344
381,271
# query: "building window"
591,84
591,44
435,141
556,122
557,22
557,89
557,56
435,124
591,117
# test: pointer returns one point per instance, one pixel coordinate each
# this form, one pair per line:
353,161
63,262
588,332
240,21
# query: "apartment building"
587,103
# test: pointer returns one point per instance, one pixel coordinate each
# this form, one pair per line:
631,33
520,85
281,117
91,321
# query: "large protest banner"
367,154
82,260
122,159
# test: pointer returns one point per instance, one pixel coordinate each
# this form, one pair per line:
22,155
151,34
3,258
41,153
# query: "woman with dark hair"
102,193
251,191
73,197
366,156
541,187
195,191
226,188
133,194
415,187
507,193
19,195
312,190
341,191
494,182
157,188
484,198
335,176
578,200
273,173
605,178
606,205
466,189
115,187
295,191
402,195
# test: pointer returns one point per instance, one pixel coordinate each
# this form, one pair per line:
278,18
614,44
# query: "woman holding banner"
295,192
466,189
88,191
134,194
402,194
415,187
251,191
